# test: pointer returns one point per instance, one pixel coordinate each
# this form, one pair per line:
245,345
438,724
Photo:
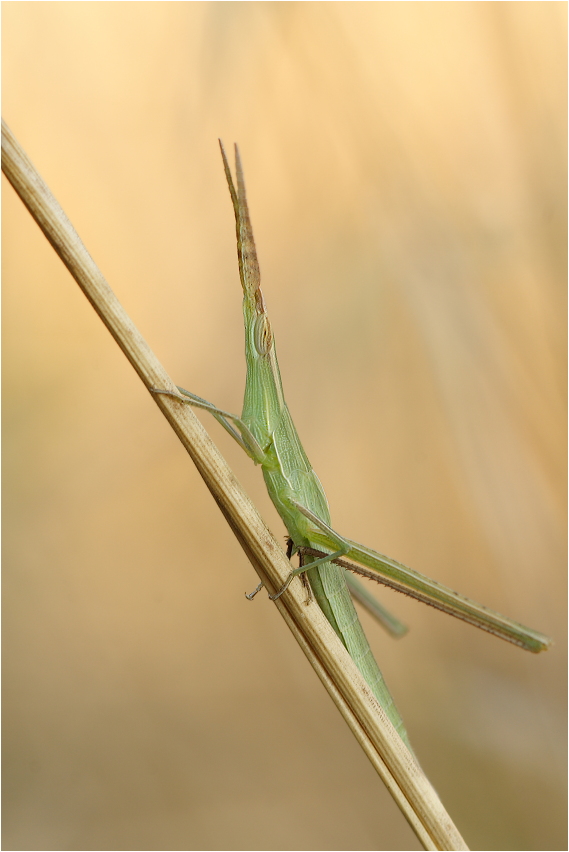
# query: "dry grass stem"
396,766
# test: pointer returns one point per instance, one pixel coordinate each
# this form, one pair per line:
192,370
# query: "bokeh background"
405,165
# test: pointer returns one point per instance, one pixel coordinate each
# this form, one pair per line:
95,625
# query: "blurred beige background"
405,165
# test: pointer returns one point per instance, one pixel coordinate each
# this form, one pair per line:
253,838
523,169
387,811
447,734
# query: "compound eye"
263,335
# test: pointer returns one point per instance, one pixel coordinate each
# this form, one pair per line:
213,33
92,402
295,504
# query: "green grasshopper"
265,431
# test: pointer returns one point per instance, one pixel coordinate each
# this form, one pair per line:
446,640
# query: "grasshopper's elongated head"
264,401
